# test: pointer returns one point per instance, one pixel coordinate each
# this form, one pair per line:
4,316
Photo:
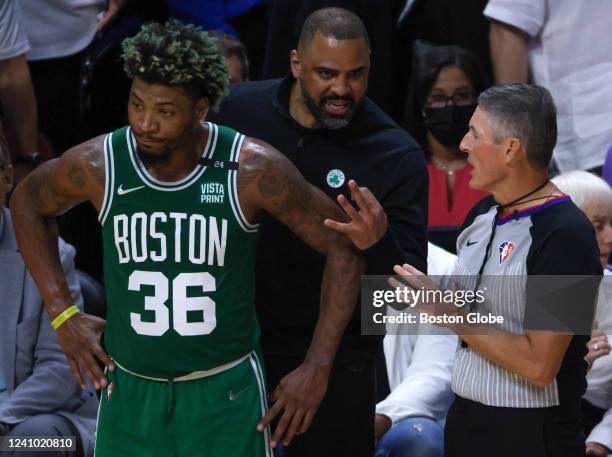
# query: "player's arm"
268,181
48,191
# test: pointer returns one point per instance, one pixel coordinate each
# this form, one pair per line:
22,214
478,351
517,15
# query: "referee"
518,391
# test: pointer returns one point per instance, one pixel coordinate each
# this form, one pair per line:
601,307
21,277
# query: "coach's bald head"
337,23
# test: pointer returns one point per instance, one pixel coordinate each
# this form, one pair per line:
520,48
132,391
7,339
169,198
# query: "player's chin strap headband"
493,227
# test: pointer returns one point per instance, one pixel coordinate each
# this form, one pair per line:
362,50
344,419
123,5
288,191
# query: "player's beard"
323,117
149,158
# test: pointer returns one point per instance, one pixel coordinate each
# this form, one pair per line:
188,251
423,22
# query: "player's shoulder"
87,156
88,151
254,150
260,159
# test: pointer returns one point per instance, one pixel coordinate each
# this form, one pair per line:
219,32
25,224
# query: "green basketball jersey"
178,261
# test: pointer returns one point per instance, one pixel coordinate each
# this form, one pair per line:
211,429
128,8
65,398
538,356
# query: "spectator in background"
409,422
441,22
16,93
210,14
246,20
563,45
446,83
58,32
38,396
594,197
235,54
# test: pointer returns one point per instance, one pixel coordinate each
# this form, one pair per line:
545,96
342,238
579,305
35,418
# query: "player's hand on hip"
368,223
296,399
80,338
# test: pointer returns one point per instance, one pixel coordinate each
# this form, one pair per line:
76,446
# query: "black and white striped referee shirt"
554,238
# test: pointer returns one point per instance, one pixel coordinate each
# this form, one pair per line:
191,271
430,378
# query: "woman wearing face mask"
447,81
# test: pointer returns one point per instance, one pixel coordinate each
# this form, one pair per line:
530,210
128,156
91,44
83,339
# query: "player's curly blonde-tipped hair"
176,54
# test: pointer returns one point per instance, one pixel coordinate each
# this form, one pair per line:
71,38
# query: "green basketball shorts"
212,416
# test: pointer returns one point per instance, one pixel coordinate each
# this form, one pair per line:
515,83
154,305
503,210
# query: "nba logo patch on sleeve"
505,249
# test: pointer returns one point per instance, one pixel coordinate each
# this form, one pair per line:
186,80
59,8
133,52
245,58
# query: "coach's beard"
326,119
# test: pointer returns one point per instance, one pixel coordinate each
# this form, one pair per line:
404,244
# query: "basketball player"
179,201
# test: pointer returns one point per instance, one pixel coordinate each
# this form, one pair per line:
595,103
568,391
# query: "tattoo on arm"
94,163
43,197
61,183
76,175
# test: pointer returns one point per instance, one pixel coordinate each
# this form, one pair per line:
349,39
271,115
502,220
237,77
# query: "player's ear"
201,108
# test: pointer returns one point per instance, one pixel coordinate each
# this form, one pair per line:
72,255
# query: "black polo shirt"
375,152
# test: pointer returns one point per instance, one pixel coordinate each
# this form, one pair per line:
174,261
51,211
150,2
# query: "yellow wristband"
64,316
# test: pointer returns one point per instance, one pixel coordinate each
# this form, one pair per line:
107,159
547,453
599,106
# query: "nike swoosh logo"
122,191
469,243
234,395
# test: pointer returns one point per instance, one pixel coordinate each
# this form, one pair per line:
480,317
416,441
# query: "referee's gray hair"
585,188
526,112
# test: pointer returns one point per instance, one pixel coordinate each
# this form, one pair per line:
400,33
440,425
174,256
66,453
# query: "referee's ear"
513,149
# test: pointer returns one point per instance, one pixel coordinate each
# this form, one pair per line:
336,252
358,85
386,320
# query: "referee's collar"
533,209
